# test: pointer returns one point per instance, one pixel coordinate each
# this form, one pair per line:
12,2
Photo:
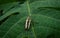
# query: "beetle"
28,23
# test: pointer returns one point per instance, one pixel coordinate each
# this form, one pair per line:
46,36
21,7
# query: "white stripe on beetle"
28,22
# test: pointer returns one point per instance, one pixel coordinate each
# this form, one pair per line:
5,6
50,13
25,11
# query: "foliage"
45,16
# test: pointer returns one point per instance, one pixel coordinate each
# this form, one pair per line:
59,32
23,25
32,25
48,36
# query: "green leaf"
11,1
7,1
45,19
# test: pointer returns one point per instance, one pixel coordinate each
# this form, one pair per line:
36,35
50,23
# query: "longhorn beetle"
28,22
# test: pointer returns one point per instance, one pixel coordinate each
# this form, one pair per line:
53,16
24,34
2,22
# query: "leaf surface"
45,16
